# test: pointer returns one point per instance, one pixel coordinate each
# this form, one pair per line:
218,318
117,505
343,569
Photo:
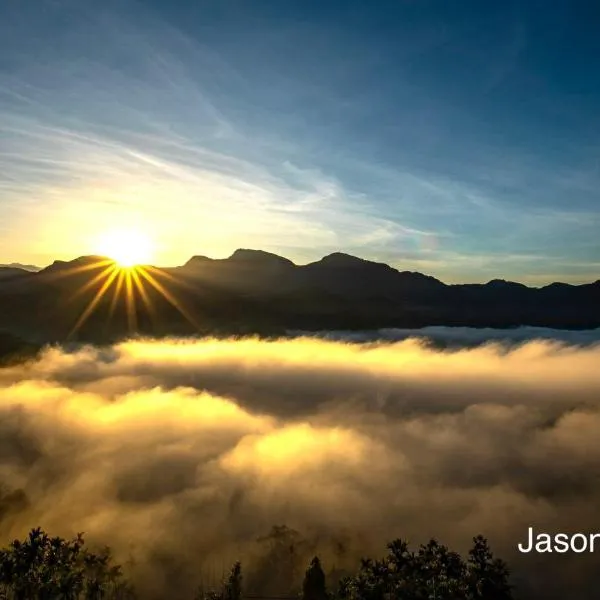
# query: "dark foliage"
232,587
48,568
45,568
431,573
313,586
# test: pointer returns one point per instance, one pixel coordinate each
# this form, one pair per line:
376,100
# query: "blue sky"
460,139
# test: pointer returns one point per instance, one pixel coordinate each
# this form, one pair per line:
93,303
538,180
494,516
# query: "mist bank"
462,337
181,453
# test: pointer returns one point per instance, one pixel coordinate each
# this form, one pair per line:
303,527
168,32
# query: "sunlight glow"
127,248
126,281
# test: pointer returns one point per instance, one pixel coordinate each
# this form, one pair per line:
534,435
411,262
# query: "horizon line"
17,265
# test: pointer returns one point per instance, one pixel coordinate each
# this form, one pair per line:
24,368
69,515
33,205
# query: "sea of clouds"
179,454
460,337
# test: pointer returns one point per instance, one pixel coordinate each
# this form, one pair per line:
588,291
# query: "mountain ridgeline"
254,291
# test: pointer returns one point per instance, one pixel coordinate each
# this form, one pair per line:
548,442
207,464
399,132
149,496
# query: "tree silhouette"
52,568
278,569
488,576
48,568
233,587
432,573
313,586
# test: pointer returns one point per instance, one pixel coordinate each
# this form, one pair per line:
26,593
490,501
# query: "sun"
127,247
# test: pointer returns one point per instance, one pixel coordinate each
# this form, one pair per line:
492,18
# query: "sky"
459,139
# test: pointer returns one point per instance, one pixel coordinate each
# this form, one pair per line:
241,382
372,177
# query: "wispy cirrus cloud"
126,152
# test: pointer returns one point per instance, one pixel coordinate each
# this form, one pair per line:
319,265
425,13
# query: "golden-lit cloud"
180,452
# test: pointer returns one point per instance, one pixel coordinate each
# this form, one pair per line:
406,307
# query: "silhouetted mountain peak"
342,260
248,256
197,260
59,265
416,275
503,283
557,285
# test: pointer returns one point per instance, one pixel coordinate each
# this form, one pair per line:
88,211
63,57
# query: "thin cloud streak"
142,175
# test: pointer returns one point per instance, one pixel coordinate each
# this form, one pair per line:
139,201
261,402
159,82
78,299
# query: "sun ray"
169,297
93,303
117,287
164,274
171,277
130,300
70,271
138,283
116,294
128,274
92,282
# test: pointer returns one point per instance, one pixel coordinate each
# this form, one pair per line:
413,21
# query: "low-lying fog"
180,454
464,337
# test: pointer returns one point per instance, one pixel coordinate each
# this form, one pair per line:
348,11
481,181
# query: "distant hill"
254,291
13,265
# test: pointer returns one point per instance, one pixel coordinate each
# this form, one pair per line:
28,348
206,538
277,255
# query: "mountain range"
254,291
